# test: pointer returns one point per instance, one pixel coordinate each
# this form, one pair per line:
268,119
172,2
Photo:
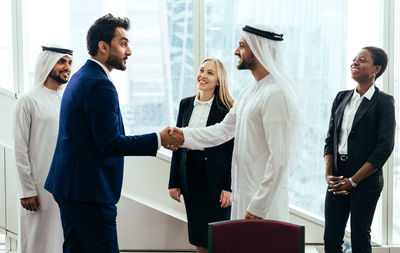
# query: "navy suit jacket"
219,158
89,157
371,138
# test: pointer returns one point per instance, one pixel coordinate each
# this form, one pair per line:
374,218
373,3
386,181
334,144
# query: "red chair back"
255,236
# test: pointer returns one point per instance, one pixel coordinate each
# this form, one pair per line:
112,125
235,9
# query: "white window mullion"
199,38
388,86
16,6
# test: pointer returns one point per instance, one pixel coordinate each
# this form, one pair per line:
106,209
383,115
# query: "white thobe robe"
36,129
258,121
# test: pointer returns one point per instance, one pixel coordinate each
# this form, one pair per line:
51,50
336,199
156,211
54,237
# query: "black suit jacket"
219,158
371,138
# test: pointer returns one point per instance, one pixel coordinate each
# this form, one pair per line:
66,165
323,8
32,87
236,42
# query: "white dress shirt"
348,117
200,113
258,121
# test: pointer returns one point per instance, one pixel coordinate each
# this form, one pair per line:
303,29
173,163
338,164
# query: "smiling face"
119,50
61,71
207,78
363,68
247,59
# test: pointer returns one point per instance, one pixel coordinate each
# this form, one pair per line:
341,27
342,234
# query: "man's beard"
116,62
53,75
247,64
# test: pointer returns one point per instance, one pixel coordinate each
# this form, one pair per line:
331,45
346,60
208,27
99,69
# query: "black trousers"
360,203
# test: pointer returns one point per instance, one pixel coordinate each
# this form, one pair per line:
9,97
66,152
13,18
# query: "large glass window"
321,39
6,51
160,70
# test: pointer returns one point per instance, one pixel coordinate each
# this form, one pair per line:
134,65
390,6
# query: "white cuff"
187,136
27,194
158,140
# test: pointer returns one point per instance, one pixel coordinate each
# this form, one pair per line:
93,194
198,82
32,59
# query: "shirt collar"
368,94
103,67
198,102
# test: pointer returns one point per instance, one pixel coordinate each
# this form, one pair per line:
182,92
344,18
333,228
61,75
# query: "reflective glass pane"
6,49
159,72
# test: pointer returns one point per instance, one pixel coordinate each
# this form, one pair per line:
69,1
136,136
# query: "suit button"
352,132
205,158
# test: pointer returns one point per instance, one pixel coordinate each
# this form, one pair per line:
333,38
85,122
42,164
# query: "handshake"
172,138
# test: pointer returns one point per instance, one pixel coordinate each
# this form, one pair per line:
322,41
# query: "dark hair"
103,29
379,57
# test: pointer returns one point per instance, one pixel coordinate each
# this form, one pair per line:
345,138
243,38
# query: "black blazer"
219,158
371,138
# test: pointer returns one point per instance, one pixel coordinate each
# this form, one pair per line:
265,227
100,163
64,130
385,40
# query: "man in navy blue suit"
85,177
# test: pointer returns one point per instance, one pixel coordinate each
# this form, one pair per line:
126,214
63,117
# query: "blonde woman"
204,176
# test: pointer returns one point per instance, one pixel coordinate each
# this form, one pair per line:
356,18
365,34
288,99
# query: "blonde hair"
221,92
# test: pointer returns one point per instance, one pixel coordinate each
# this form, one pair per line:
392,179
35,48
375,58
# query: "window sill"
7,93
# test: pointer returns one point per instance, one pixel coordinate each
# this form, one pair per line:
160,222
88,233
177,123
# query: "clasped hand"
172,138
339,185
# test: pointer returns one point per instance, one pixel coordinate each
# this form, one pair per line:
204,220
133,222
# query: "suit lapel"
340,109
364,107
213,115
188,113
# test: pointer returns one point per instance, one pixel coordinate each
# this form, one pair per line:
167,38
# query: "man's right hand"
171,139
31,203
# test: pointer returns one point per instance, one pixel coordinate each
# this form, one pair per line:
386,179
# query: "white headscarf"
270,54
45,63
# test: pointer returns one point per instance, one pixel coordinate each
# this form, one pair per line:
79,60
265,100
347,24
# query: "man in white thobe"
36,129
266,123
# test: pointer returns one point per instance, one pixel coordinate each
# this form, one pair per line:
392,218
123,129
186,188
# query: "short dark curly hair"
379,57
103,29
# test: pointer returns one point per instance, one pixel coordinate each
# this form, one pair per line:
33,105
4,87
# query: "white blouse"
348,117
201,110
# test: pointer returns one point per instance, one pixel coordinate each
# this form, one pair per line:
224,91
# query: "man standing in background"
35,132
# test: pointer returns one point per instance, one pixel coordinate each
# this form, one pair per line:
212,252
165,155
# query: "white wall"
147,217
11,191
2,190
140,227
7,107
8,189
